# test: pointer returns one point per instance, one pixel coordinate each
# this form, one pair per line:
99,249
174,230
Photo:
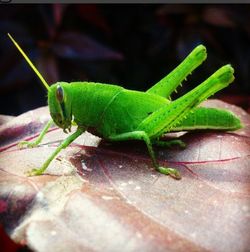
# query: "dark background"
130,45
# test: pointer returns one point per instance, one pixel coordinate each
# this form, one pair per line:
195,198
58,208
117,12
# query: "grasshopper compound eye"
59,93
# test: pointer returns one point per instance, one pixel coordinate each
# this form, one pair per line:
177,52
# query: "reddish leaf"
107,197
80,46
48,66
92,14
219,16
6,244
59,10
4,119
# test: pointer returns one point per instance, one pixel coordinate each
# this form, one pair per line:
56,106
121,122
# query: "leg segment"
169,83
141,135
167,117
209,118
63,145
39,139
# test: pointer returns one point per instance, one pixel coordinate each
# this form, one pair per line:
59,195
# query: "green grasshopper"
118,114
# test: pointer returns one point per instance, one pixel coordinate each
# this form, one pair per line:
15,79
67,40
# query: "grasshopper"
118,114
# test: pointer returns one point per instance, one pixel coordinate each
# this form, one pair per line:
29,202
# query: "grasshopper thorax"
59,100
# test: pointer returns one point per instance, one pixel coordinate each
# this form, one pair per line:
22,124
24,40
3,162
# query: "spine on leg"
170,82
167,117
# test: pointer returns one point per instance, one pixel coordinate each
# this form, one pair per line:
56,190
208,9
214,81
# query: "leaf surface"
98,196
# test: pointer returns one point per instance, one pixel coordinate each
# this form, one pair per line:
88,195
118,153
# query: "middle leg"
141,135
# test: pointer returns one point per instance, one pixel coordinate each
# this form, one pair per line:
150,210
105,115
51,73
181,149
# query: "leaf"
219,17
8,245
98,196
92,14
75,45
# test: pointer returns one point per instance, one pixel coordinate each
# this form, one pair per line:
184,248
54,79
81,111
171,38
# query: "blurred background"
130,45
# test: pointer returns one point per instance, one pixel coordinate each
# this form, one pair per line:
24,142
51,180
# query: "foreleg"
63,145
39,139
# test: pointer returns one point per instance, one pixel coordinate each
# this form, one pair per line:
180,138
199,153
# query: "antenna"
29,62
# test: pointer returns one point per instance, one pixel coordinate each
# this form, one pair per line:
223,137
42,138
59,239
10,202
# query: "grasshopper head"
59,101
58,95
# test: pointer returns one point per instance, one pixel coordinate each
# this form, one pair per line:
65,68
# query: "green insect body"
118,114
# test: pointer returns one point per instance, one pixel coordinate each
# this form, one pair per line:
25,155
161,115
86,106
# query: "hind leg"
168,84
